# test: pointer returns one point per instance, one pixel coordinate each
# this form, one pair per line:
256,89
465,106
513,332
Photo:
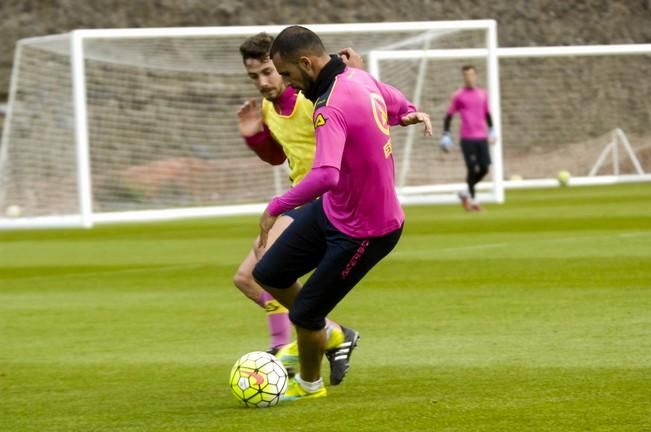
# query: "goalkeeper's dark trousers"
478,160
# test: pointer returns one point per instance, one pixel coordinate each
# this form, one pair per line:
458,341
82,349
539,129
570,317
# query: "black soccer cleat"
339,357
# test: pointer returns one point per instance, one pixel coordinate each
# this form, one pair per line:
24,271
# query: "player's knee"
241,279
301,317
245,283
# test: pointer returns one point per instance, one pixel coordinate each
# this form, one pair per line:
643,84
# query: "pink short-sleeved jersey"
352,127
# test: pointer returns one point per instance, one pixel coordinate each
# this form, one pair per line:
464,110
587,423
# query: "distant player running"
471,102
282,128
358,220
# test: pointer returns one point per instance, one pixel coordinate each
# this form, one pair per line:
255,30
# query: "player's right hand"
446,142
250,118
351,58
266,222
418,117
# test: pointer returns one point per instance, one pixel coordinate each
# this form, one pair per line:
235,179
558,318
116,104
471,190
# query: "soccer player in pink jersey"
358,219
471,102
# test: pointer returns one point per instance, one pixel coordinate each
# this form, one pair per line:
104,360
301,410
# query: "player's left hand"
492,136
351,58
249,118
418,117
266,222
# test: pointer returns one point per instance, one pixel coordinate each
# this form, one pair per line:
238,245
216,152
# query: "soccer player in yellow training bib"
279,129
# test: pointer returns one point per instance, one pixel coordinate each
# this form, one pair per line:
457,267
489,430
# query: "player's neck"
284,103
279,98
320,63
325,75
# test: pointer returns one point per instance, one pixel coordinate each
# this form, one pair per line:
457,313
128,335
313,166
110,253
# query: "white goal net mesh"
162,121
558,113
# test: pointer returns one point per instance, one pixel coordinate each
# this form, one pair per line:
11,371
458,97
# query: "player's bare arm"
418,117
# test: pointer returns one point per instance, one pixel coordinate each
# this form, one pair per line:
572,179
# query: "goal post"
121,125
78,65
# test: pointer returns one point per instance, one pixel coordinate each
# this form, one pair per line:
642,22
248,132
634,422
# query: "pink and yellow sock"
280,328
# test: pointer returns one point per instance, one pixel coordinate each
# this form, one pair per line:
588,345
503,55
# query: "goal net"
581,109
140,124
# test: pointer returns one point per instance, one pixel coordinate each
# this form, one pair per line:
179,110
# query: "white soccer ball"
258,379
13,211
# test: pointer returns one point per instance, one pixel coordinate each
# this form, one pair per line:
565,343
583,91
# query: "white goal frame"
87,218
413,194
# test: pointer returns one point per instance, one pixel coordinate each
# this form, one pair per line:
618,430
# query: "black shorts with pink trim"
339,262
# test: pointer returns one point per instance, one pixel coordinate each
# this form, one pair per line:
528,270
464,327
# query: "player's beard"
271,94
305,84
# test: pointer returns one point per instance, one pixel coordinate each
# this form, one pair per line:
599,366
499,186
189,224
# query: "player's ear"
305,63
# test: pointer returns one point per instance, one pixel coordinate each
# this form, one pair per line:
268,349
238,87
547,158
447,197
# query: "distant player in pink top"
358,220
471,102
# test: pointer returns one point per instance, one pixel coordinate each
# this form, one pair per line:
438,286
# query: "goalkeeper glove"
492,136
446,142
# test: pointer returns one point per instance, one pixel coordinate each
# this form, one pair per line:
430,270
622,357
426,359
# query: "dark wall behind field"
152,149
521,22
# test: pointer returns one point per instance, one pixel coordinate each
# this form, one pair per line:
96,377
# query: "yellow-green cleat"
296,391
288,356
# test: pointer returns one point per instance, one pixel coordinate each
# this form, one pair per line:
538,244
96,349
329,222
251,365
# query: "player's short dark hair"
256,47
468,67
296,40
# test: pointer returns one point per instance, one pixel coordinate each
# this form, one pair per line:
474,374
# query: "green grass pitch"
532,316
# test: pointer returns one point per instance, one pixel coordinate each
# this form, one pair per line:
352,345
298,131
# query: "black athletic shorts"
312,242
475,152
292,213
